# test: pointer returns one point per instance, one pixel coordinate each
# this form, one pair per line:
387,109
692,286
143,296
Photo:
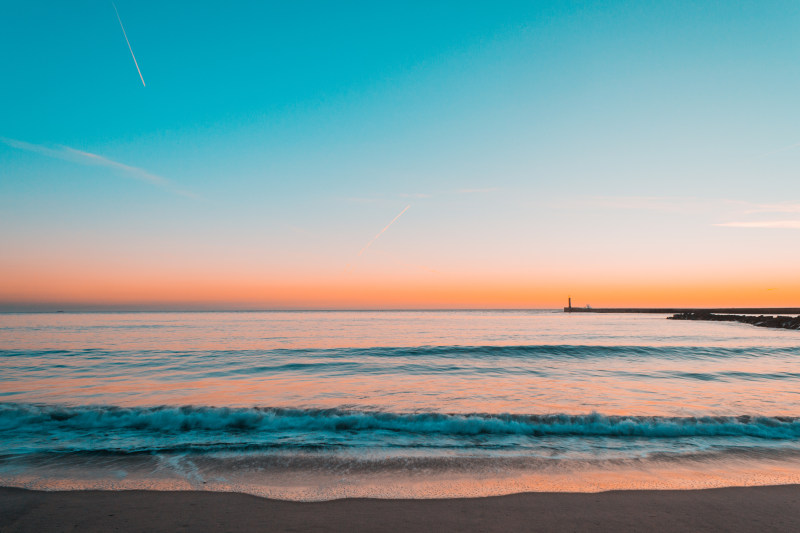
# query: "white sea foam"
188,418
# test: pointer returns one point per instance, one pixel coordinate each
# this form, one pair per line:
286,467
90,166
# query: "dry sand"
730,509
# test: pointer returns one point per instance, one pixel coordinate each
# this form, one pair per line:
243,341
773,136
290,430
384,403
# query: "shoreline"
739,509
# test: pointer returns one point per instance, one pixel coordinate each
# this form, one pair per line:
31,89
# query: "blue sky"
274,140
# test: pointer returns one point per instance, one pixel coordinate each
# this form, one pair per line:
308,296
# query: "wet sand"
754,509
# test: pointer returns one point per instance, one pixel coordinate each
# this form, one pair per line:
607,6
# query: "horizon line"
276,310
379,310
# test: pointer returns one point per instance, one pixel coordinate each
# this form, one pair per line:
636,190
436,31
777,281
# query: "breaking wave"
97,419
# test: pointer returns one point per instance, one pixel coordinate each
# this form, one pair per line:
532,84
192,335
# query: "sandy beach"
775,508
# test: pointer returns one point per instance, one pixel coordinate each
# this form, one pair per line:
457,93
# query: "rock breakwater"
782,322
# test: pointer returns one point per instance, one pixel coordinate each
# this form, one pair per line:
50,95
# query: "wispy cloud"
688,205
767,224
87,158
390,197
298,230
673,204
360,200
779,150
677,204
775,208
478,191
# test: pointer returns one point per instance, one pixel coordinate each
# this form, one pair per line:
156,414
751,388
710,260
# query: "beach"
388,421
775,508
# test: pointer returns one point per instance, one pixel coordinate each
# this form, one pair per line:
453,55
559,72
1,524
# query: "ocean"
412,404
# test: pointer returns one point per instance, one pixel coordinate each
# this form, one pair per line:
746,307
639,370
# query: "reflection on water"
494,362
313,405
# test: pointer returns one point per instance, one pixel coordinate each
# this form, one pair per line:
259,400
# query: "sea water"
321,405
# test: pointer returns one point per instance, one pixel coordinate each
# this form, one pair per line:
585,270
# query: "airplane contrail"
129,44
381,232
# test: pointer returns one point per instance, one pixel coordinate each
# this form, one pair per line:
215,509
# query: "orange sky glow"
454,292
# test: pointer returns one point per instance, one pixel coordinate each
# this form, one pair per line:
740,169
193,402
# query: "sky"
387,155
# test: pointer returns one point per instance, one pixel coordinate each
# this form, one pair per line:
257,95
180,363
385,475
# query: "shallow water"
314,405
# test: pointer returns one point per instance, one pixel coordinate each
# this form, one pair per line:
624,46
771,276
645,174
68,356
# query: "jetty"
683,310
675,310
782,322
765,317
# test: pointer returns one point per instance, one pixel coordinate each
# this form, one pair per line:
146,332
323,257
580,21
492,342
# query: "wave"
270,460
176,420
544,351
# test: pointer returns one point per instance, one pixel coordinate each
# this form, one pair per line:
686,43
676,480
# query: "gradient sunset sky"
624,153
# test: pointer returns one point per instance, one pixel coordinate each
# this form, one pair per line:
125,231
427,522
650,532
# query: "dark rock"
783,322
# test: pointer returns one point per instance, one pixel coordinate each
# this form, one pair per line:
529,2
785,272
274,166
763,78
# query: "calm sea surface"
317,405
